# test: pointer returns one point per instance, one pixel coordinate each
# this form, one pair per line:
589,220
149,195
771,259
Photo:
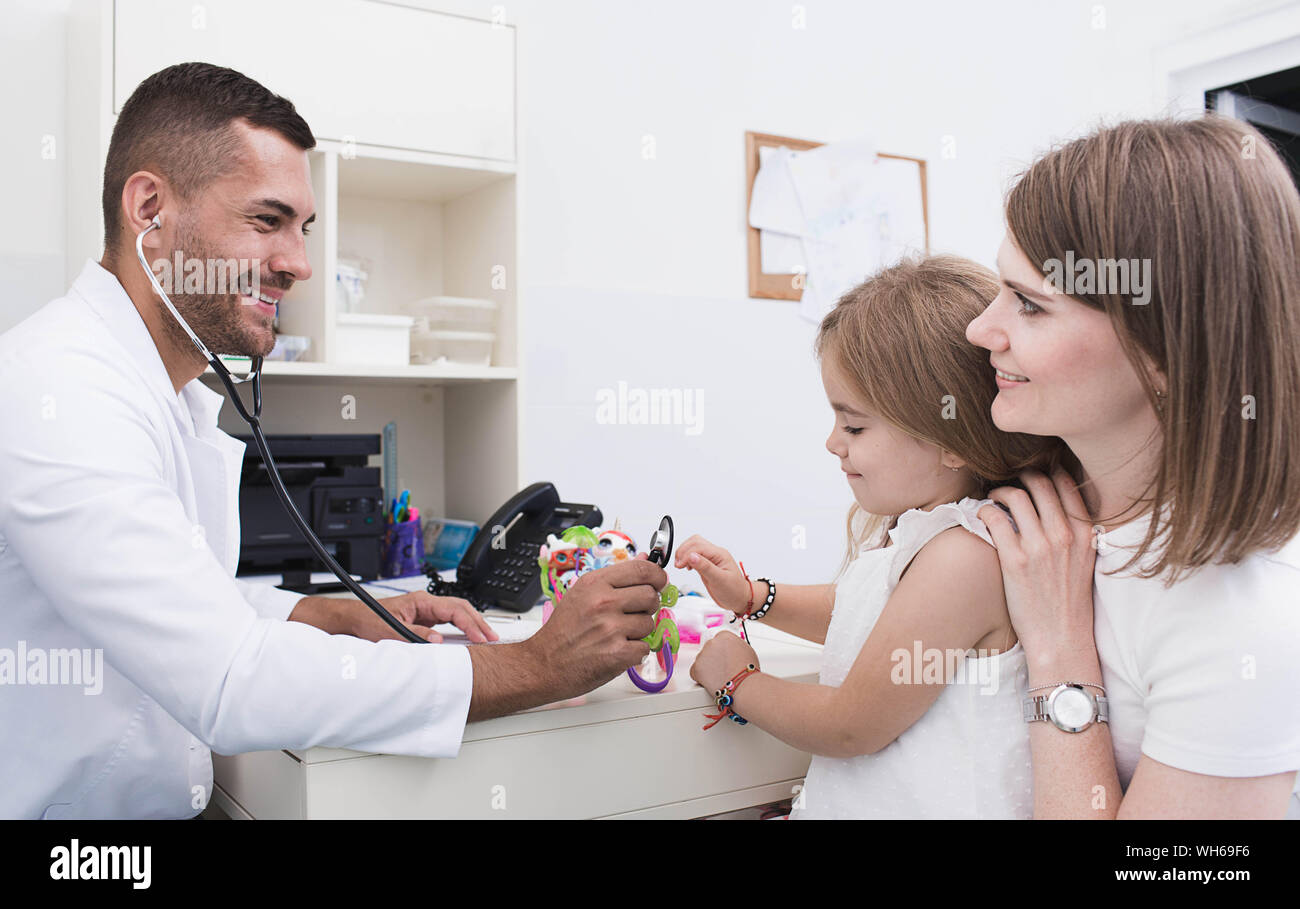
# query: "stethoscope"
255,424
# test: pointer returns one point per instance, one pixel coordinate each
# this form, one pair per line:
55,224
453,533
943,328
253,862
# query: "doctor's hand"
419,610
595,632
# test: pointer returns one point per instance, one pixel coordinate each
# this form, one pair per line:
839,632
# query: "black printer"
340,497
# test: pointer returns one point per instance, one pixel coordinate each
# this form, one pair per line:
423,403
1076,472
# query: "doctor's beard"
219,319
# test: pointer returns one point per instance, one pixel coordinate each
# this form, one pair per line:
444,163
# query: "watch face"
1071,709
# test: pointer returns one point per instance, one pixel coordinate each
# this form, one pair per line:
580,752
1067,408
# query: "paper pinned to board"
835,185
774,210
849,212
774,204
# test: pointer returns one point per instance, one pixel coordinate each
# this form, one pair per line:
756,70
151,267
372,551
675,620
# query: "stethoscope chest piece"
661,544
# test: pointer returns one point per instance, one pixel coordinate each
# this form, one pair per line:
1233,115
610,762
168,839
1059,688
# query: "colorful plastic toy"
580,549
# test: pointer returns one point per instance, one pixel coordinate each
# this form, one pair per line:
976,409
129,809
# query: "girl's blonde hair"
1212,208
899,342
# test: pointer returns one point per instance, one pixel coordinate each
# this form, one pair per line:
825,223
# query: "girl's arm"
804,611
949,599
1048,569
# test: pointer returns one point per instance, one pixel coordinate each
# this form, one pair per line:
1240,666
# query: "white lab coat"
119,531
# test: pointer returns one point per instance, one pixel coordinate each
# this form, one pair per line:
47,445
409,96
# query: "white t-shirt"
1203,676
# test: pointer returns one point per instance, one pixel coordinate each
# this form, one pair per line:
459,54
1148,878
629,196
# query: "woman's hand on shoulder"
1047,558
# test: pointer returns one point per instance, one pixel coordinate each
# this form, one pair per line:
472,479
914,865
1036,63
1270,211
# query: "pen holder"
402,552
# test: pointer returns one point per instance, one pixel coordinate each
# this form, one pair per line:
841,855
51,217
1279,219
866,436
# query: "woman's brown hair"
899,342
1210,205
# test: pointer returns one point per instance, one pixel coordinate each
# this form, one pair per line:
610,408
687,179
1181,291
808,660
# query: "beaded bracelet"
767,603
724,697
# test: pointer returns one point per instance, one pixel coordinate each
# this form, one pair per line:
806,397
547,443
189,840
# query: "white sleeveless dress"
968,755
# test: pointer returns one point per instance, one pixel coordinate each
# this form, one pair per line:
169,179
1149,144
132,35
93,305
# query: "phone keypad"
516,569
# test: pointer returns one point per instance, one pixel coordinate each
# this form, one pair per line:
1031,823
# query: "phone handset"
531,500
500,567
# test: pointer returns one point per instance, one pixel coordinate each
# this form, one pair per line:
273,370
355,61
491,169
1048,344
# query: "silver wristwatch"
1071,708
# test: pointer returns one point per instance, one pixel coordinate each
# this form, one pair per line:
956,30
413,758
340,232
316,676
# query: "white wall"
633,269
33,71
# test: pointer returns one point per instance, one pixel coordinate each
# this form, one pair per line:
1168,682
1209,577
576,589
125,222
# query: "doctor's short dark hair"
178,122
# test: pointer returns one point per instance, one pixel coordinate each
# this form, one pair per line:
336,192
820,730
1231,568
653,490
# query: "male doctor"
127,647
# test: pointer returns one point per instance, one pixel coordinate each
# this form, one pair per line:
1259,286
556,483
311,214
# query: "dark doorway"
1271,104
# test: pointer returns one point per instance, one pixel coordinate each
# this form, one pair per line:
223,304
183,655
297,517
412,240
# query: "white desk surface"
616,751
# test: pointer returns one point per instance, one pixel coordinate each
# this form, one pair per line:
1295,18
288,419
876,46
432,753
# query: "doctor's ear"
144,198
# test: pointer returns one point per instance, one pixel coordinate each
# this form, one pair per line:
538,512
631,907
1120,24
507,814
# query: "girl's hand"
1047,567
718,570
720,659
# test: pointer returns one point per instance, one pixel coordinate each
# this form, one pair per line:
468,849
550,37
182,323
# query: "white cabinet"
371,73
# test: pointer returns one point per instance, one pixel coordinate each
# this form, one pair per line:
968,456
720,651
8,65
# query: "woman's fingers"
1056,527
1004,535
1023,514
1071,499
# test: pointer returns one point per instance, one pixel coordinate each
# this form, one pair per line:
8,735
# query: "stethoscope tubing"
254,421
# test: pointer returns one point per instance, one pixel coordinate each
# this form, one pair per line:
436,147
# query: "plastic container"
446,540
473,348
374,340
351,278
289,347
402,550
455,313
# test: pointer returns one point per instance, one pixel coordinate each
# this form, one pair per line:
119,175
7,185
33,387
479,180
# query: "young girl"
918,710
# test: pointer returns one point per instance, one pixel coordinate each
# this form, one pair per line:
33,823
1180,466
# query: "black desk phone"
500,567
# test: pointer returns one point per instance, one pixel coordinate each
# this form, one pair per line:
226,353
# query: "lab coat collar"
103,292
106,296
205,406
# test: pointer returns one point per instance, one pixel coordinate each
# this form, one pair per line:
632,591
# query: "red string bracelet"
725,696
748,606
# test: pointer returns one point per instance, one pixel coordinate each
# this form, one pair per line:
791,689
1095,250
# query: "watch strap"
1034,707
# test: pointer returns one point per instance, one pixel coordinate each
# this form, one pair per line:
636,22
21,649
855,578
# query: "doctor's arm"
101,531
331,615
418,610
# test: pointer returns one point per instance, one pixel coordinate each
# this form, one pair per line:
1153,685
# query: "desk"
616,752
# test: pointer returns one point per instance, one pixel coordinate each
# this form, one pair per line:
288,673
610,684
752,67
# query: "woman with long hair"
1148,317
